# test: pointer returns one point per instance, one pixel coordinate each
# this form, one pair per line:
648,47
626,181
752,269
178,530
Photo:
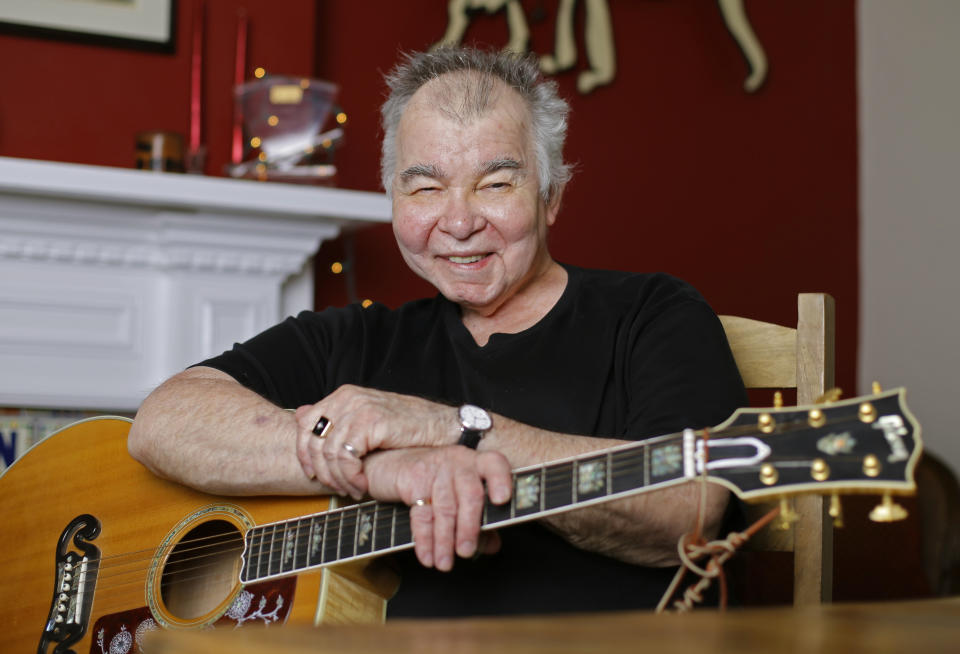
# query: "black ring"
320,429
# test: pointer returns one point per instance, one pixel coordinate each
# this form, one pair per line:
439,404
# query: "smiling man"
518,360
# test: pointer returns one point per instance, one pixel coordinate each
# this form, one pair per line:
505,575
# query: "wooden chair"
773,356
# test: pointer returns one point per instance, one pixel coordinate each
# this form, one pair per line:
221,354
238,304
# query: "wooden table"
916,627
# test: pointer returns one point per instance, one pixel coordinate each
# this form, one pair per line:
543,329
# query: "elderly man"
518,360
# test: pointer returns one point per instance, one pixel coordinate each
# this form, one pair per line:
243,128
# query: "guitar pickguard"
75,579
265,603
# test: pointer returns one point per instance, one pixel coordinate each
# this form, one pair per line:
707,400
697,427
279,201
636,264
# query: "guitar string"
622,461
353,516
111,567
177,575
270,563
619,465
346,518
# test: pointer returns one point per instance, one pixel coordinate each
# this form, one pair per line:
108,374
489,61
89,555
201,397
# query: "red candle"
196,76
236,153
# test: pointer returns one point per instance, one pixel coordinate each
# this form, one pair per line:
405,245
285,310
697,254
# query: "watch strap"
470,437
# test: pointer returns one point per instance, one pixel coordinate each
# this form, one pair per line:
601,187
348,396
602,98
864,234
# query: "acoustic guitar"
100,551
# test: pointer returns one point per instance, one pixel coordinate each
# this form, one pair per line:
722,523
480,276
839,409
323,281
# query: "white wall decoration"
598,37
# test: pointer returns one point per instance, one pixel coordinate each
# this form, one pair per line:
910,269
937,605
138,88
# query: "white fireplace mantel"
113,279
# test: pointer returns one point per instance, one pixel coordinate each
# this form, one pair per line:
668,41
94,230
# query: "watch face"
473,417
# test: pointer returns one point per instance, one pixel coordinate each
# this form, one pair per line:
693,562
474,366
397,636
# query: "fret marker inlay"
591,477
366,528
316,540
287,547
666,460
528,491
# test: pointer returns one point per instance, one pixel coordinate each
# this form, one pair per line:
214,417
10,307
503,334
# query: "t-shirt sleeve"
682,373
289,363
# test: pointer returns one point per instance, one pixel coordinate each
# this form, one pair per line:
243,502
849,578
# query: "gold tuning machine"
816,418
888,510
766,423
835,510
788,515
777,400
876,388
831,395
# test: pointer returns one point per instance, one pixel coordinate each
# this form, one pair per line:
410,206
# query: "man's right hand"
361,421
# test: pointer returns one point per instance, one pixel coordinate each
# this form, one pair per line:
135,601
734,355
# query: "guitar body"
78,494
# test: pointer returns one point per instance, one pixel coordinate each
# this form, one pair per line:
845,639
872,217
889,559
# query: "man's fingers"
470,499
309,443
421,527
445,489
342,462
445,516
495,471
350,467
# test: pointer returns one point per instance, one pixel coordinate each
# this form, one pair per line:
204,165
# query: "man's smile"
466,258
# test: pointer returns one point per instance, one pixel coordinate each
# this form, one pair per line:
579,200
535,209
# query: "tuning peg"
867,412
876,388
829,396
835,510
888,510
788,515
766,423
777,400
816,418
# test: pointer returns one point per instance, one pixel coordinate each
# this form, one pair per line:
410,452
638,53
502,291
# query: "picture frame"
141,24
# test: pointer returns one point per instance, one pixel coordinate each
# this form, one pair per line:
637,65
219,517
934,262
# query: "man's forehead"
464,96
426,148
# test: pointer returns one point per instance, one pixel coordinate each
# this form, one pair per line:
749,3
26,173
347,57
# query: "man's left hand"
446,488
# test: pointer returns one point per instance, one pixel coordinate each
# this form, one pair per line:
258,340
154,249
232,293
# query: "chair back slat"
769,355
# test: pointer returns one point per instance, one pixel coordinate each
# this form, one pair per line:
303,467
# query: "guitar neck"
373,528
865,444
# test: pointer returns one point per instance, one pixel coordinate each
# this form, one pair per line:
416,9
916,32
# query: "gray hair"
548,110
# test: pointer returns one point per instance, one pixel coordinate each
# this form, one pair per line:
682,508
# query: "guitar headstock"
864,444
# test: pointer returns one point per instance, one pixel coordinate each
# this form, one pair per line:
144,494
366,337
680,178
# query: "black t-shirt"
621,355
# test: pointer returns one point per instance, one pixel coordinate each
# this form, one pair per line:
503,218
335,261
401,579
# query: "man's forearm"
644,529
203,429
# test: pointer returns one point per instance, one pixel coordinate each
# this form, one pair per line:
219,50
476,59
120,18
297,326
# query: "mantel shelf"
113,279
120,186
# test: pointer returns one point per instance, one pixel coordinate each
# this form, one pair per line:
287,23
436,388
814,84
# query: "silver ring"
421,502
323,425
351,449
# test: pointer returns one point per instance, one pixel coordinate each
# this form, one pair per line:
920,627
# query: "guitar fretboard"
372,528
864,443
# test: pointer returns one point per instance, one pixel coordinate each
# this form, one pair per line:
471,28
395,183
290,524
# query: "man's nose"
462,217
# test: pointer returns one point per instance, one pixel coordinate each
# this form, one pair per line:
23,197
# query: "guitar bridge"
75,579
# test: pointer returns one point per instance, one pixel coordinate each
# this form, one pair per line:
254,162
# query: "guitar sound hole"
202,570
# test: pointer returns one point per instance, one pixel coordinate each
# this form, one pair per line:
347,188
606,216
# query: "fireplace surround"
113,279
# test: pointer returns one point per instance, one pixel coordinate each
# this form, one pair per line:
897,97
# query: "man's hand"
362,420
444,488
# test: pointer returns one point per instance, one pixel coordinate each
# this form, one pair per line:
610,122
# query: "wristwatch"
474,423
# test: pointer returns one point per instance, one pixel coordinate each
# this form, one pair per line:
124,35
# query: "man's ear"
553,206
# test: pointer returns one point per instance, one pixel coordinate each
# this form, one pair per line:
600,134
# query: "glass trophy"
283,139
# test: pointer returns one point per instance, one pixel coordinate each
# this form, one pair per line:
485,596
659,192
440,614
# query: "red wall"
85,103
753,198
